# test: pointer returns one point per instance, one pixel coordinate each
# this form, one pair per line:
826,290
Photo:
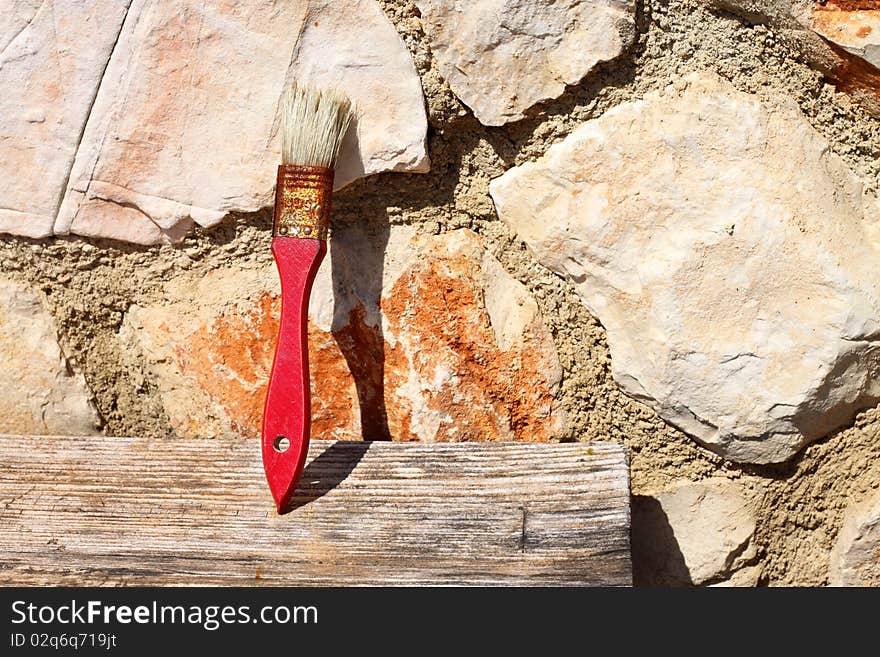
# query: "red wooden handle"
287,414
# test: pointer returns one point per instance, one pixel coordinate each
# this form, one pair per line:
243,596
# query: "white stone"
184,128
39,391
52,57
855,560
730,255
696,533
353,46
501,57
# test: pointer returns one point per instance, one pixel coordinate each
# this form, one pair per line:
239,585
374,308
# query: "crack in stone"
26,26
88,119
133,206
732,566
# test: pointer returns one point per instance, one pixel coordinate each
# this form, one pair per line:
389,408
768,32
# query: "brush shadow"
657,558
357,256
329,469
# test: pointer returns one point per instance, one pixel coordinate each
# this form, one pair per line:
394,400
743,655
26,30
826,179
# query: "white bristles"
314,122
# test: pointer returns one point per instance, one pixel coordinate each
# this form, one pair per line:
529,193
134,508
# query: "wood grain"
134,511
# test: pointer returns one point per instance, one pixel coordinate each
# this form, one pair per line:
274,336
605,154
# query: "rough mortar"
89,286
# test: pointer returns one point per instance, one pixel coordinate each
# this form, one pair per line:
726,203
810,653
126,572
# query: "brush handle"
287,414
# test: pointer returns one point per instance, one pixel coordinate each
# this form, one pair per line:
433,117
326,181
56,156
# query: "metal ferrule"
302,202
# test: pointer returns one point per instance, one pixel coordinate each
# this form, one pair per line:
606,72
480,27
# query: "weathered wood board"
132,511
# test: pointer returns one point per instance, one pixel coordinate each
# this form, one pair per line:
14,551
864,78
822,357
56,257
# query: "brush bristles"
313,124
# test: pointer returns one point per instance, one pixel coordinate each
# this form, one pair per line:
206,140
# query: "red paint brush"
314,123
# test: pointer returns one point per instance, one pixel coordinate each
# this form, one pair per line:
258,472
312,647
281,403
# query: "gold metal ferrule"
302,202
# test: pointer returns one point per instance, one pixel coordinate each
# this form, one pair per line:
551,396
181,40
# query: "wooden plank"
133,511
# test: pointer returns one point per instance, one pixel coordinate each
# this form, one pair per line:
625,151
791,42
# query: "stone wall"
647,221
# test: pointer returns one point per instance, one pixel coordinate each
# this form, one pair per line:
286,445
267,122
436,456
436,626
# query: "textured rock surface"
857,30
184,127
500,57
730,255
855,560
39,392
694,534
838,38
435,341
207,346
48,80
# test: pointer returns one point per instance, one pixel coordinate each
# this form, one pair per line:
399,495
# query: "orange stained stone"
438,374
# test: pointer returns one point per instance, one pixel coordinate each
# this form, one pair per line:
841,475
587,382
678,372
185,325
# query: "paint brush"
314,122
